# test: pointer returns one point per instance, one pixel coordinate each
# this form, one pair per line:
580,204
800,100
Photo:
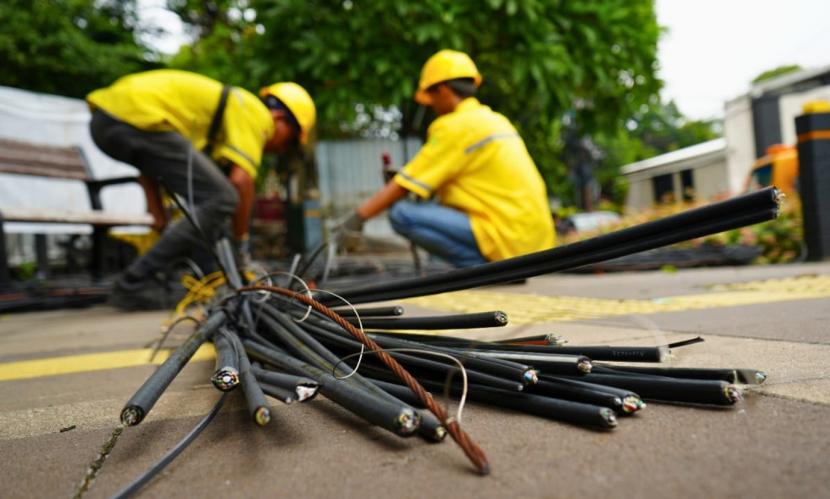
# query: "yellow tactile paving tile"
819,284
529,309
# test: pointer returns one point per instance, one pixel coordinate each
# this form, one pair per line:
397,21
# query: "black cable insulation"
254,396
393,311
455,321
359,401
736,212
692,391
512,375
728,375
485,276
140,404
594,352
168,458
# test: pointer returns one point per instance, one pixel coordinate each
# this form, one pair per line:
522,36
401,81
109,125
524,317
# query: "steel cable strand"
470,448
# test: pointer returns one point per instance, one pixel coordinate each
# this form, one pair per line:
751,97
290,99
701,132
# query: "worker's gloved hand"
348,232
242,252
353,223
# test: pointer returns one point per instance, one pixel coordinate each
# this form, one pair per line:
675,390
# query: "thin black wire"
168,458
312,257
678,344
170,330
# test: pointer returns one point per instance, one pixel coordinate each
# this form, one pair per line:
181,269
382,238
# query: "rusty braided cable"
470,448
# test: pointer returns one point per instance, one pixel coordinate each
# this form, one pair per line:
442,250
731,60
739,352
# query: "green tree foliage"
539,58
224,40
656,128
776,72
661,128
68,47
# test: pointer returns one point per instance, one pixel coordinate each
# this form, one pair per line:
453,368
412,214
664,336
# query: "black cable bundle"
280,343
736,212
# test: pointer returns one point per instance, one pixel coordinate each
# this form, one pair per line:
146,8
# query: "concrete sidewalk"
772,445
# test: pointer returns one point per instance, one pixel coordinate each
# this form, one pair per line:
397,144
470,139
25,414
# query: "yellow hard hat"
445,65
297,100
816,106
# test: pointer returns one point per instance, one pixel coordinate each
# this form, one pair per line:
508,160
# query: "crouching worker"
490,200
201,140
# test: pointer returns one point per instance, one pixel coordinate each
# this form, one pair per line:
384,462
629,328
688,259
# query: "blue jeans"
442,231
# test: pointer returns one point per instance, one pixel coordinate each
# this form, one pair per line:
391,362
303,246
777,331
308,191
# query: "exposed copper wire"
470,448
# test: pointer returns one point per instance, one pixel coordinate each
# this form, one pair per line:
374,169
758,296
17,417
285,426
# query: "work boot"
151,292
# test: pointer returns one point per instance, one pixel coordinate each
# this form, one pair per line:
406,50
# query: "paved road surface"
76,368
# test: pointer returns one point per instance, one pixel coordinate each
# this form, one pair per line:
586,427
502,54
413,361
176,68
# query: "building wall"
790,107
640,195
709,181
740,152
738,130
350,171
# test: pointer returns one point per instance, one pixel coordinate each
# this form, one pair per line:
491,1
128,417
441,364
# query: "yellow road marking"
69,364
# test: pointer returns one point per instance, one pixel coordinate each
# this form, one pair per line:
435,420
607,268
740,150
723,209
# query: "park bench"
23,158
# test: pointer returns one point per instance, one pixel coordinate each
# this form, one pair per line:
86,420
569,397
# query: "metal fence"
351,170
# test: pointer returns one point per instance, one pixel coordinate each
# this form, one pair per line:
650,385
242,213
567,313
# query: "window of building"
687,182
663,188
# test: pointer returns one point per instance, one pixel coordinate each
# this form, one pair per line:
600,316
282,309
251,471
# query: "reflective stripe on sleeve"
483,142
417,182
242,155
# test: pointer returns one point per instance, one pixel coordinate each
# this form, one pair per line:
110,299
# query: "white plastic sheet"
60,121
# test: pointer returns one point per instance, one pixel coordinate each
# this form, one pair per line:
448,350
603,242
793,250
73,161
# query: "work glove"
348,232
353,223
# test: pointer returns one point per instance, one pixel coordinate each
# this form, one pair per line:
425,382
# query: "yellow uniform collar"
467,104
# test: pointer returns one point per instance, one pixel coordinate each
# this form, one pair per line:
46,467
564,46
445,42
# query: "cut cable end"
609,417
306,392
131,416
225,379
632,404
531,376
262,416
408,421
751,376
554,340
733,394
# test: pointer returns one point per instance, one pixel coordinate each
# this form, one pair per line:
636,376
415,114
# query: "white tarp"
60,121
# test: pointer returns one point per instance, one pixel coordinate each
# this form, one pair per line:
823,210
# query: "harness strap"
216,122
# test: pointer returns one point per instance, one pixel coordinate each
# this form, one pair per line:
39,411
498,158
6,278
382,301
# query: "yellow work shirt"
184,102
475,161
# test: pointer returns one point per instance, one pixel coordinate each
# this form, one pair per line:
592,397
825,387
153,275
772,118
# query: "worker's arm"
381,200
244,185
154,203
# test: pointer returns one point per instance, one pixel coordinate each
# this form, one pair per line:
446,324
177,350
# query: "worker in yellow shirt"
201,140
491,201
